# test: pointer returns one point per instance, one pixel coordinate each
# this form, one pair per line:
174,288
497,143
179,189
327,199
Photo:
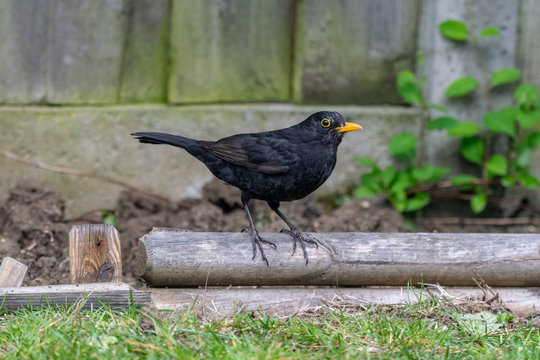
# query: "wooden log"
284,301
12,272
172,258
117,295
94,254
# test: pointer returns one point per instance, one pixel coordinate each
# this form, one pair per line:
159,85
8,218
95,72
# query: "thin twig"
483,221
490,199
449,184
75,172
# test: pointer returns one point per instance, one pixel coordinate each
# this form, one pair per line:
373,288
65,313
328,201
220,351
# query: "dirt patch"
34,232
33,228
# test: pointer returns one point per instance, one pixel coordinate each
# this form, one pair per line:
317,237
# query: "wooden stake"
12,272
172,258
94,254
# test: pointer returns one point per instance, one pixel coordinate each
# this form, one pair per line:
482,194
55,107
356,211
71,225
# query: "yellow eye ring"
325,122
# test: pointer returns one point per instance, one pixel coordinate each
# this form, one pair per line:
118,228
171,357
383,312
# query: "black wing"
263,153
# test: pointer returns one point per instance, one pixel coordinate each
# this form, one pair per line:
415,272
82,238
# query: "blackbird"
280,165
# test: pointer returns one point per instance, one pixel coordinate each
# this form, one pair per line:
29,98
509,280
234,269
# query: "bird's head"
329,126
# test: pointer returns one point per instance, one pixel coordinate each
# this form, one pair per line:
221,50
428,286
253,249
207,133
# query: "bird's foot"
256,241
299,237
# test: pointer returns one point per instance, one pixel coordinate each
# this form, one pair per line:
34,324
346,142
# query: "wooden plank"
12,272
172,258
85,45
227,50
23,41
117,295
283,301
94,254
351,51
144,58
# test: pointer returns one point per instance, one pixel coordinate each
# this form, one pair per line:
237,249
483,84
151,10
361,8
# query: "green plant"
407,189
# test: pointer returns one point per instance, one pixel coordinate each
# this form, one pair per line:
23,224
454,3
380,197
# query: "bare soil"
34,230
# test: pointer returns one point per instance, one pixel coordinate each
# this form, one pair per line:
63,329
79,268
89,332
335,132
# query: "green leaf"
403,181
508,180
528,119
523,156
454,30
429,173
463,180
489,31
371,180
408,88
464,129
497,165
472,149
109,217
505,318
388,175
501,121
439,172
478,203
529,181
533,140
398,195
366,161
402,143
461,87
442,122
437,107
526,95
480,324
504,76
418,201
400,205
363,191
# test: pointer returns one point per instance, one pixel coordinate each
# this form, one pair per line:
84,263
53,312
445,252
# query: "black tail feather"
162,138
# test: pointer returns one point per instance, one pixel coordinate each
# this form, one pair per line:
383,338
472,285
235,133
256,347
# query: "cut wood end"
12,272
141,257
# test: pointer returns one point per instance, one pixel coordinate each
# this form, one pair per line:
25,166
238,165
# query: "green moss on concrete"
230,51
84,48
144,58
351,51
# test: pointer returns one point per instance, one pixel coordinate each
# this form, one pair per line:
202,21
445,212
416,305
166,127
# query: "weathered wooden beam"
117,295
283,301
12,272
168,257
94,254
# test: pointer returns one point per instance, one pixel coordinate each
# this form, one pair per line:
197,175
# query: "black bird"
280,165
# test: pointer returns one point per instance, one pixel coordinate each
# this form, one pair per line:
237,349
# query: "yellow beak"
348,127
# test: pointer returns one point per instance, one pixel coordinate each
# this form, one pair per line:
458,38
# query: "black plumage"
280,165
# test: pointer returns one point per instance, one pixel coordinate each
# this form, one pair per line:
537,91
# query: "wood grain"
172,258
94,254
12,272
117,295
284,301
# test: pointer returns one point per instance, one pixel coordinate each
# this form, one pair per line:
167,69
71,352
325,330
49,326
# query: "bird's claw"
256,241
299,237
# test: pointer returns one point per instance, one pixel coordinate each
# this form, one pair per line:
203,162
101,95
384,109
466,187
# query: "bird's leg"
298,237
256,240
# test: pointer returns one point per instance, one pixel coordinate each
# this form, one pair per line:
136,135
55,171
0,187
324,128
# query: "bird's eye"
325,122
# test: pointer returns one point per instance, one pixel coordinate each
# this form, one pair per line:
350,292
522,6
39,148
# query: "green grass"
431,329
